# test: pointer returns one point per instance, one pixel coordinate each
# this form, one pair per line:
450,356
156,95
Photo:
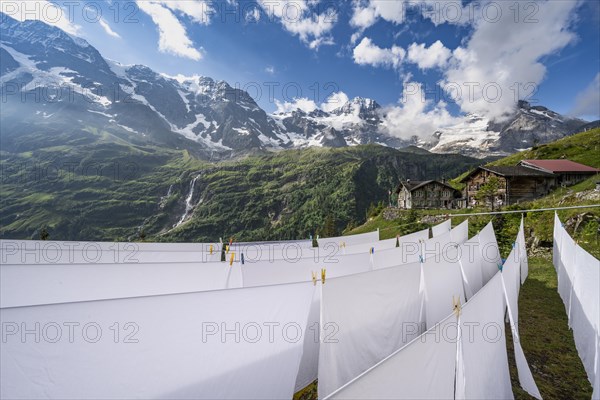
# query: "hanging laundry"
201,345
366,317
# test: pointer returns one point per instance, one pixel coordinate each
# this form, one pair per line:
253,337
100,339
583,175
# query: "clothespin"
227,248
231,259
514,244
310,237
456,306
500,266
314,277
242,258
221,240
230,241
420,258
211,249
323,273
372,250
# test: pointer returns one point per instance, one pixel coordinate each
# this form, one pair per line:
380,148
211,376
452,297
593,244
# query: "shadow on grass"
546,338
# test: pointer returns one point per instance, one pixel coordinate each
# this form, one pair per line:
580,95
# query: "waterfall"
165,198
188,203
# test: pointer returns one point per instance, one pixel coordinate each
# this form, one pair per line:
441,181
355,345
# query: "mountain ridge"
213,119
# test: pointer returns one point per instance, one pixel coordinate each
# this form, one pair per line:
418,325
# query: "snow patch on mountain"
471,135
222,118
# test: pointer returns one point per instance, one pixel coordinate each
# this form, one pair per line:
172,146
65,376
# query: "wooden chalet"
517,183
427,194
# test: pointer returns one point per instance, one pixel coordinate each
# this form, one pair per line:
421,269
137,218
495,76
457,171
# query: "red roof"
559,166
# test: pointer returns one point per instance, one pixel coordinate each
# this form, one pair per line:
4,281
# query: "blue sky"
381,49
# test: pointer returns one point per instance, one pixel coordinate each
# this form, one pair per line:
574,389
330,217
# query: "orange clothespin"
231,259
314,277
456,306
323,274
210,249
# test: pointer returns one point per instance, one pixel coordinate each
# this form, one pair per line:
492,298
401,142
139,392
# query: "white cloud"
269,69
252,15
366,13
355,36
318,42
302,103
173,37
41,10
297,18
199,11
335,100
363,16
108,29
587,103
500,62
414,115
367,53
436,55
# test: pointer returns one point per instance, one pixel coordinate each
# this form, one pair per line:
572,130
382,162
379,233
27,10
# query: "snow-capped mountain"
52,79
358,121
49,72
477,136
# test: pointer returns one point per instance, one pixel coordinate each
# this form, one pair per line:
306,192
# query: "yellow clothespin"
323,273
314,277
211,249
227,248
231,259
456,306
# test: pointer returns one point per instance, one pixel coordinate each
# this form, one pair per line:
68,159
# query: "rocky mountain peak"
357,106
200,112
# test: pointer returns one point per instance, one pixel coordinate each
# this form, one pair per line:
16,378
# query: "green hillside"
295,193
104,188
582,148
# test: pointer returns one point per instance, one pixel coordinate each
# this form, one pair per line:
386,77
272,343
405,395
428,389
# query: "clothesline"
429,224
522,211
